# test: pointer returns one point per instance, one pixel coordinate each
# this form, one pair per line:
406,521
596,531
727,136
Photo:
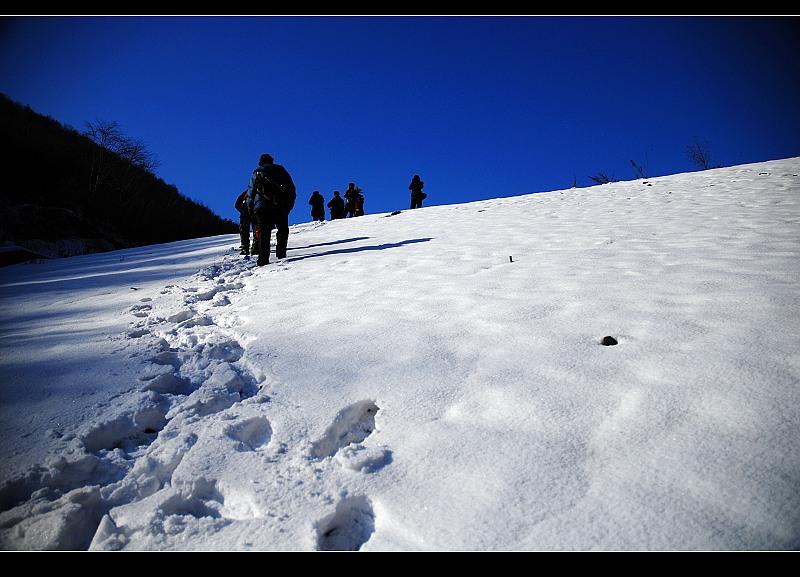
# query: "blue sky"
480,107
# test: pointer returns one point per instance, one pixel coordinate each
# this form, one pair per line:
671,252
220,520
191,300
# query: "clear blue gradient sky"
480,107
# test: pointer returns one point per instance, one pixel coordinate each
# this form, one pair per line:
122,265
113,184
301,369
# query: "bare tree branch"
699,154
638,171
109,138
601,178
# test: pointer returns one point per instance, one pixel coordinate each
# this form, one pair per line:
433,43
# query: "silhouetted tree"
700,155
111,141
601,178
638,171
106,135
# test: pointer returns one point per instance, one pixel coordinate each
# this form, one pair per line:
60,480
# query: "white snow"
432,380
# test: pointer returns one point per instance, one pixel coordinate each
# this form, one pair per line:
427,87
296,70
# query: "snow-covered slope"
428,380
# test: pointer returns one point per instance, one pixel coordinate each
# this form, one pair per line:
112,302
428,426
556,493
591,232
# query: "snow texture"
432,381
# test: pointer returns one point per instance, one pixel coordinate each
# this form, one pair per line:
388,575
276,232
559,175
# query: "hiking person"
359,203
244,223
317,206
351,195
417,196
337,206
270,198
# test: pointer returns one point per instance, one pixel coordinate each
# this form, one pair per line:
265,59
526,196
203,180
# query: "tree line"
98,184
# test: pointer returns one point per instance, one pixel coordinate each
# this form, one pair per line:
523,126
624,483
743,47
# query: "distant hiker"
359,203
417,196
351,195
244,223
270,197
317,206
337,206
247,220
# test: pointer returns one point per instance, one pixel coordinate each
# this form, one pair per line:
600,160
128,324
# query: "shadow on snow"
360,249
330,243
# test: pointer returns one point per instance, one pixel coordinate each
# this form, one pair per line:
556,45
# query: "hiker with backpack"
270,198
317,206
351,195
417,196
336,205
244,223
359,203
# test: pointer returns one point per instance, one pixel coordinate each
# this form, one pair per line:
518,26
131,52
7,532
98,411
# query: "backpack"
266,188
277,192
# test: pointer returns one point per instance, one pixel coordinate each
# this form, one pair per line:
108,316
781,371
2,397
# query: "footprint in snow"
137,333
181,316
167,383
229,350
351,426
364,459
225,387
221,302
204,501
140,311
167,357
201,321
127,431
250,434
349,527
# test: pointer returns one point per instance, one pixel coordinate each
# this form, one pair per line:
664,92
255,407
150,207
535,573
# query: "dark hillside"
62,194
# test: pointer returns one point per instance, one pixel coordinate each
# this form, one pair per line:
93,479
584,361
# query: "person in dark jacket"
244,223
351,198
337,206
317,206
417,196
270,198
359,203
